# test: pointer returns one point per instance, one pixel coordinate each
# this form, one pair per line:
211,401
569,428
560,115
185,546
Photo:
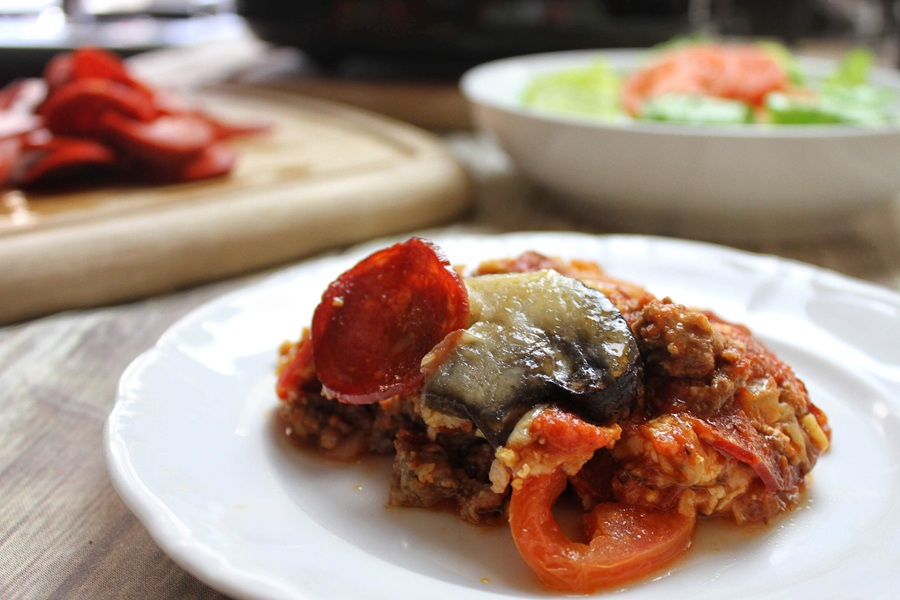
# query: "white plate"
192,449
742,182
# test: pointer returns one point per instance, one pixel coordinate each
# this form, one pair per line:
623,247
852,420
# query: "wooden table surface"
64,532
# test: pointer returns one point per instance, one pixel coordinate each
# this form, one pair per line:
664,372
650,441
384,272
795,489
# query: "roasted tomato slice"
377,321
620,542
623,542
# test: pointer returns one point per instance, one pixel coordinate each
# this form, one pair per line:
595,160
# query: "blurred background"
91,277
430,37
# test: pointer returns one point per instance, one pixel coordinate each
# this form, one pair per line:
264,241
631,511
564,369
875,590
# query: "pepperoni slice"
103,116
735,435
377,321
77,107
224,130
58,71
163,140
214,160
90,63
64,155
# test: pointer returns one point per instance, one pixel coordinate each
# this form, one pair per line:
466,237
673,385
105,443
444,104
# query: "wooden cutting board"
325,176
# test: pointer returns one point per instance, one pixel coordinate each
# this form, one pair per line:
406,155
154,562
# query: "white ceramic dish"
193,451
714,182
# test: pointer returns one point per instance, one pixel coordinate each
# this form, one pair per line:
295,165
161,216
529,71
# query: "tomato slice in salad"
741,72
624,542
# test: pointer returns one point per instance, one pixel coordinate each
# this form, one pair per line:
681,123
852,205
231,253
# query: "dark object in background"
788,21
460,31
659,8
32,33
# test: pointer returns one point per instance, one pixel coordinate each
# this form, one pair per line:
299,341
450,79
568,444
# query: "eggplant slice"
535,338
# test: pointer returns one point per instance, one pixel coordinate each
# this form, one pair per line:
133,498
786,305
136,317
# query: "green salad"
703,83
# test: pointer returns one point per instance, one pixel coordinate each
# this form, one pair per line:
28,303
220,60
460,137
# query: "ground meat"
480,505
676,341
724,421
451,471
347,431
422,474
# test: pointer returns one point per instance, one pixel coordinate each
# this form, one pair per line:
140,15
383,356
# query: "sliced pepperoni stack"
89,111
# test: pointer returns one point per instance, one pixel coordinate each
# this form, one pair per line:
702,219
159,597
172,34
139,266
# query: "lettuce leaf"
590,91
844,96
696,110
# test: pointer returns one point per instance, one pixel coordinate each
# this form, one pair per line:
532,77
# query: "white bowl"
748,181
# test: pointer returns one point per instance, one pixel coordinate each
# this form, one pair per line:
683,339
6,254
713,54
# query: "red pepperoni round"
90,63
62,155
377,321
167,139
77,107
